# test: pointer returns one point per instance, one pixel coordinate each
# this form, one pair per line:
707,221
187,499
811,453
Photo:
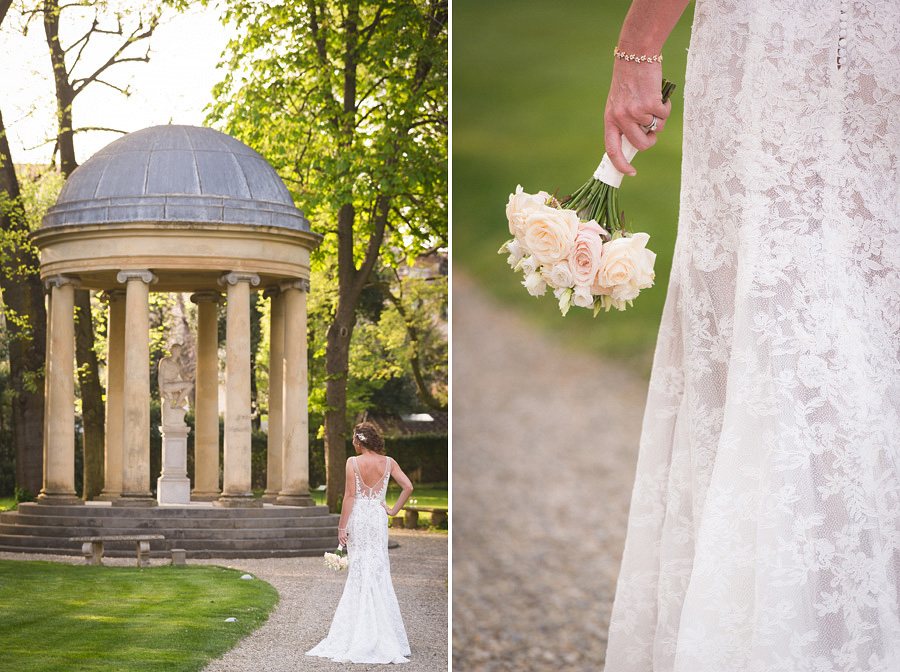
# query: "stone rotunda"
179,209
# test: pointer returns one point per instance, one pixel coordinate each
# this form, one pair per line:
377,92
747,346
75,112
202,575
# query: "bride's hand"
342,537
634,99
387,509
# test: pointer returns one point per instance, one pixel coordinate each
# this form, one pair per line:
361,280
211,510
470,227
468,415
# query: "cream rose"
587,253
626,267
520,205
550,234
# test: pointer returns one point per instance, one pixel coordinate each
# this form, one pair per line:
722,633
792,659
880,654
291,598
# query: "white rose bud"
564,295
582,297
528,264
559,275
516,253
535,284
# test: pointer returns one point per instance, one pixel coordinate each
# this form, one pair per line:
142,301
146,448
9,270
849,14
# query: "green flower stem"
596,200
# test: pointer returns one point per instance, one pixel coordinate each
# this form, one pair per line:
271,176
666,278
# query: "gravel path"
544,448
309,595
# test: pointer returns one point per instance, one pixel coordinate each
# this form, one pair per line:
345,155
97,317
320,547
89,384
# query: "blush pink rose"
584,261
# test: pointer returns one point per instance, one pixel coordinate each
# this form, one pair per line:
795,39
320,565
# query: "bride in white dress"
367,625
764,532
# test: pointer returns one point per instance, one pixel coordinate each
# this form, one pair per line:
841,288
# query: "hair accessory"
361,437
643,58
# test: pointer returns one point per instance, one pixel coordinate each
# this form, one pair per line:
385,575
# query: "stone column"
115,392
59,404
276,395
136,390
236,477
206,404
295,465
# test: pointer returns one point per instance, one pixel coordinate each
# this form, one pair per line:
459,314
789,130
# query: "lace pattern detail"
764,533
367,625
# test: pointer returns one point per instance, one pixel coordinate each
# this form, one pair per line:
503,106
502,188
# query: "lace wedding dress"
367,625
764,532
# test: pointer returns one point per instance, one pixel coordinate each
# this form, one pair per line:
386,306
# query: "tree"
26,319
68,87
348,99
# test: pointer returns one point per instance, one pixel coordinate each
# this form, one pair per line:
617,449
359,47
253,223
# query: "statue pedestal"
173,486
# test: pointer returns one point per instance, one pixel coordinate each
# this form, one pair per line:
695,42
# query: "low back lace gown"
764,533
367,625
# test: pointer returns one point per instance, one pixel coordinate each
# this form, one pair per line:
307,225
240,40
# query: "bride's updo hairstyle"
367,436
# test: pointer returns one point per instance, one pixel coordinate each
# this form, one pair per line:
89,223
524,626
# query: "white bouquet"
336,560
583,263
578,246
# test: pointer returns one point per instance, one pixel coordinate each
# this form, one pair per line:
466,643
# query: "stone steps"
203,531
162,523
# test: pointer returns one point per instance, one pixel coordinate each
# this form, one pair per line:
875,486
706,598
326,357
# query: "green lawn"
426,494
530,80
7,503
66,617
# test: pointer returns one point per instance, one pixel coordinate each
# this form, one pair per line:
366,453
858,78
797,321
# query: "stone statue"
175,384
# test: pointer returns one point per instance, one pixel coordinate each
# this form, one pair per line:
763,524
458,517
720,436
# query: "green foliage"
23,495
38,191
124,618
423,457
7,447
284,93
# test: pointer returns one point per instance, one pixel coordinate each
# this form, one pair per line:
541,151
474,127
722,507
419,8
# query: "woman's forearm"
648,25
401,500
346,509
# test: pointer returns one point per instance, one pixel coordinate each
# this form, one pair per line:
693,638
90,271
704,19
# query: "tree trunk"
93,412
337,363
23,296
93,415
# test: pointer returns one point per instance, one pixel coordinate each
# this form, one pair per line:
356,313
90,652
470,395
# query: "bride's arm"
347,506
634,95
404,482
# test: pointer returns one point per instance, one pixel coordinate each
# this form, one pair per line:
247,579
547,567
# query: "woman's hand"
389,510
342,537
635,98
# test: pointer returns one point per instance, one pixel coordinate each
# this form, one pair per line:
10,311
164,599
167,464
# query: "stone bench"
92,547
411,517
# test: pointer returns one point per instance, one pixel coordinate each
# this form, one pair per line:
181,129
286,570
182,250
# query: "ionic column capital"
206,297
60,280
113,295
299,283
234,277
143,275
271,292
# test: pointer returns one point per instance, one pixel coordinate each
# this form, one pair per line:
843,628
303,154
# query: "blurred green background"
529,85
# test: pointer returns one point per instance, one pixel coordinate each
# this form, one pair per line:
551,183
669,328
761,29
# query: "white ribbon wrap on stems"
607,173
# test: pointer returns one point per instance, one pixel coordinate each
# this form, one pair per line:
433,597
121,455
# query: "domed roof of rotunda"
184,174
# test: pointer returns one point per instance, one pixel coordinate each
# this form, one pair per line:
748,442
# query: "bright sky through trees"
174,86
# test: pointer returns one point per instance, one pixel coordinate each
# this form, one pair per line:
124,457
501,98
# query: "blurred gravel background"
544,448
